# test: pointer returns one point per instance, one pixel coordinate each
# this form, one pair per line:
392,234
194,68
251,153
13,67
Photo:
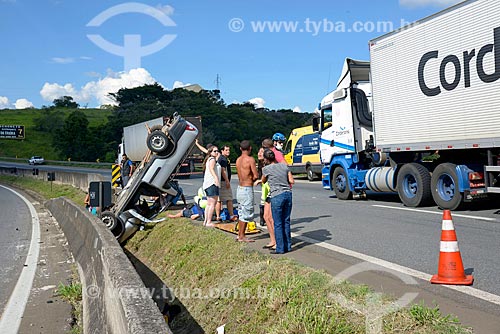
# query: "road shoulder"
45,312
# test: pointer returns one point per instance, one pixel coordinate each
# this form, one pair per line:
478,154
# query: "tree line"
223,124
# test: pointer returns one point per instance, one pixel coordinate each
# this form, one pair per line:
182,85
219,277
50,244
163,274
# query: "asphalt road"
15,223
384,228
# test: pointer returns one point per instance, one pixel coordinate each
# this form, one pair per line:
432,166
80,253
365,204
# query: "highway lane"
15,236
384,228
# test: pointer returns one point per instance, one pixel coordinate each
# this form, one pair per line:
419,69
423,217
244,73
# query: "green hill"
38,142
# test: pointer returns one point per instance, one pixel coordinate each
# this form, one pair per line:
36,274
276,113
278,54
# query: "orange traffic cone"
450,268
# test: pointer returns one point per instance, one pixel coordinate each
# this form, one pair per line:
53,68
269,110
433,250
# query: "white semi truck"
422,118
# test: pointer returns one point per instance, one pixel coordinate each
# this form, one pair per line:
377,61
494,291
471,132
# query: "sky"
276,54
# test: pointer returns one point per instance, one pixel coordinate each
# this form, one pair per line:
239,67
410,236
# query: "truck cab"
345,126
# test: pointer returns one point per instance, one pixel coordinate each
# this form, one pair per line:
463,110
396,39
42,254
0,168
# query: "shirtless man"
247,175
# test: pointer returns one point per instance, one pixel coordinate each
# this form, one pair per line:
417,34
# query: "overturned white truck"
422,118
153,179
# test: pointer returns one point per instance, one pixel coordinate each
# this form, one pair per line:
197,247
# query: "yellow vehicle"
302,152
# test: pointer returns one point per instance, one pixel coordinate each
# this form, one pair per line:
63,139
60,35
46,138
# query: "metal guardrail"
61,162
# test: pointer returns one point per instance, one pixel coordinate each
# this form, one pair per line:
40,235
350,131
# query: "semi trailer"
422,117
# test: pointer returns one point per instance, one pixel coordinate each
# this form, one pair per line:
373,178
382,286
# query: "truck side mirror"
315,124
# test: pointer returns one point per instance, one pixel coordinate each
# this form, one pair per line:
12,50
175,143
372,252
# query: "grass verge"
222,282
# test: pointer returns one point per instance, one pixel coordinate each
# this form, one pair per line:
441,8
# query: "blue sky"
46,51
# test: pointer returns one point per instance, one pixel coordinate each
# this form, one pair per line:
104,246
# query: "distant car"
152,187
36,160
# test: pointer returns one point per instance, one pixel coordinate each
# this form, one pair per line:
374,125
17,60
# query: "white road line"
14,310
435,213
489,297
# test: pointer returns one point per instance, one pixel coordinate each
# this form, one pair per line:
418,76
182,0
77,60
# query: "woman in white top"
211,183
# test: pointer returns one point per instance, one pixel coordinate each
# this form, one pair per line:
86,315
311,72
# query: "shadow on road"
183,323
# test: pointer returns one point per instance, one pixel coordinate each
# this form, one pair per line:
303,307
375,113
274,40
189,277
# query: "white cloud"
98,90
23,104
424,3
179,84
4,102
297,109
258,102
63,60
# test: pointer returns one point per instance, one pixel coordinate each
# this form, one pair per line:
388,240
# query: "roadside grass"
72,294
221,282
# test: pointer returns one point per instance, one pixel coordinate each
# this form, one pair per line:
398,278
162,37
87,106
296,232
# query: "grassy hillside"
37,142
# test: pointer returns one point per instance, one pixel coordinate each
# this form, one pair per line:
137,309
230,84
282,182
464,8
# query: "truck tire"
113,223
159,143
444,187
341,184
414,185
310,174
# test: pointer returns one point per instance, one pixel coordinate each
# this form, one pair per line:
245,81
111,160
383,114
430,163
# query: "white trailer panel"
457,110
134,138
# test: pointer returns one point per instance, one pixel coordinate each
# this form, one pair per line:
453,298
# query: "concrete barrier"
77,180
115,299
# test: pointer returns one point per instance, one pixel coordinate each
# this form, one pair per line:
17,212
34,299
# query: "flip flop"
269,246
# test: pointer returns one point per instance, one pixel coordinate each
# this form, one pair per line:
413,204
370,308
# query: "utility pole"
217,82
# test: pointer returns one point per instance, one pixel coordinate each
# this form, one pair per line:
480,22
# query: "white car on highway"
36,160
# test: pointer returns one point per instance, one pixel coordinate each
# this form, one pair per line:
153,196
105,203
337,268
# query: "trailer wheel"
341,184
444,187
310,174
414,182
114,224
158,142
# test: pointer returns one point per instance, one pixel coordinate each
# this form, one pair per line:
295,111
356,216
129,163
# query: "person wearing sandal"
211,183
280,181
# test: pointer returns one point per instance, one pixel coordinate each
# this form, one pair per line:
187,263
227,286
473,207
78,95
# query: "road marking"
436,213
489,297
14,310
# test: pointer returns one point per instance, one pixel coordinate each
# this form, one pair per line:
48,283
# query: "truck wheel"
444,187
414,182
158,142
310,175
113,223
341,184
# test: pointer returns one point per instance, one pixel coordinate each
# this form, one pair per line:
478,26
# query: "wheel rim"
108,221
340,183
410,186
310,173
157,142
446,187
